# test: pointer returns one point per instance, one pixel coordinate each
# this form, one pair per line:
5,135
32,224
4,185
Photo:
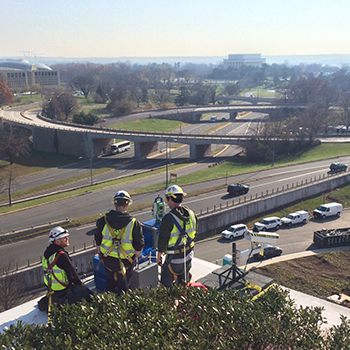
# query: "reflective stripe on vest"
55,278
118,244
190,228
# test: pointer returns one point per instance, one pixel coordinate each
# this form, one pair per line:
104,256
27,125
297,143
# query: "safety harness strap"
188,242
49,271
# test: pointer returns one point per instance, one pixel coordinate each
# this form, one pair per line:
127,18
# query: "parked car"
327,210
337,168
299,217
269,223
237,189
269,251
234,231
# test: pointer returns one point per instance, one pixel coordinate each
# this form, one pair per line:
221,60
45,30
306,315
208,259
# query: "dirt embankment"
320,275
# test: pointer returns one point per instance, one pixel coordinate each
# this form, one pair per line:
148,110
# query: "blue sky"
141,28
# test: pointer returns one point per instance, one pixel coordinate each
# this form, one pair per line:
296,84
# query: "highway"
207,194
101,201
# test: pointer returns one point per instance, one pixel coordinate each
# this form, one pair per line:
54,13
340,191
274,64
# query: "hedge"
181,319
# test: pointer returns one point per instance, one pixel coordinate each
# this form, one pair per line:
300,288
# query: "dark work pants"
167,279
71,295
116,282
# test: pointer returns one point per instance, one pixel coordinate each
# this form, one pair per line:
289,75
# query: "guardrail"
267,193
33,231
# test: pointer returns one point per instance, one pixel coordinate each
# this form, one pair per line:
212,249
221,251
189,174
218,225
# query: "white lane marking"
264,184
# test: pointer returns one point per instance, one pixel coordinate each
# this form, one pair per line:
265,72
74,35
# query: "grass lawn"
260,91
88,106
321,275
38,161
26,99
150,124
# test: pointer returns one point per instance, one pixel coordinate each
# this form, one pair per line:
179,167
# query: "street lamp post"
168,162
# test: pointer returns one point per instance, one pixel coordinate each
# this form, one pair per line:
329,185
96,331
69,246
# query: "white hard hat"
57,233
174,190
122,195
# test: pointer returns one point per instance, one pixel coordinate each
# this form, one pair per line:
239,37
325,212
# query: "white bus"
120,147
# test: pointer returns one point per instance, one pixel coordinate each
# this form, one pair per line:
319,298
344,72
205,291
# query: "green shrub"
85,119
181,319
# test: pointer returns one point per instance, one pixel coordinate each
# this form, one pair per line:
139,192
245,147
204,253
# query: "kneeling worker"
119,242
60,276
177,232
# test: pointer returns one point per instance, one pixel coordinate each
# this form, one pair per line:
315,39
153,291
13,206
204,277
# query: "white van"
327,210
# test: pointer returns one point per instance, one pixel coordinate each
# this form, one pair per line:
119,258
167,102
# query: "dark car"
269,252
337,167
237,189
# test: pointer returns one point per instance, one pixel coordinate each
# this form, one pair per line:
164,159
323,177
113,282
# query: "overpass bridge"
64,138
194,115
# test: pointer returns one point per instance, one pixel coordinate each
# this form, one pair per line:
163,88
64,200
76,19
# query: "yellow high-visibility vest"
174,246
118,243
55,278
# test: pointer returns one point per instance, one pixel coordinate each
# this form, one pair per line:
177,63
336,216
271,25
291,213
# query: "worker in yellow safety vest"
177,232
60,277
119,242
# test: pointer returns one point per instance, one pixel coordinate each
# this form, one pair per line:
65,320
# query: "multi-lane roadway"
99,202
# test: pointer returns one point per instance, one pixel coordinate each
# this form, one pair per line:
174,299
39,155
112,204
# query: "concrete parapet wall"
32,277
222,218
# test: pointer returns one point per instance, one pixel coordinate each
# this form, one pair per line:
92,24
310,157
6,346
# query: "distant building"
21,75
239,60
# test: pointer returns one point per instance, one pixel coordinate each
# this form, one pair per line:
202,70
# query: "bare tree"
14,142
5,93
12,289
344,102
60,106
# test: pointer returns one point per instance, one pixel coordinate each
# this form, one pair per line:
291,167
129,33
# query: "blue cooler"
150,232
148,254
99,274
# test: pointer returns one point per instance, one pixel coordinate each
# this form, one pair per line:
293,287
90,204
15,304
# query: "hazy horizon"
326,59
156,28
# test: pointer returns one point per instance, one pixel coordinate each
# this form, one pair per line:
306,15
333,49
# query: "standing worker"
177,232
119,242
60,276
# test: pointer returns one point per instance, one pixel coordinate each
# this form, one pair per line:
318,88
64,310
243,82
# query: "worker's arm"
100,223
138,241
64,262
164,235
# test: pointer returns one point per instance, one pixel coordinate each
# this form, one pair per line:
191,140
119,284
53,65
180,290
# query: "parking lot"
292,240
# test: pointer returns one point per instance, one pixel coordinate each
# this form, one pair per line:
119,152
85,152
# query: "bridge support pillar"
198,151
142,149
196,117
233,115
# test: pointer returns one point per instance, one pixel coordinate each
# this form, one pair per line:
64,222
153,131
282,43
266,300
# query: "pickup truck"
299,217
